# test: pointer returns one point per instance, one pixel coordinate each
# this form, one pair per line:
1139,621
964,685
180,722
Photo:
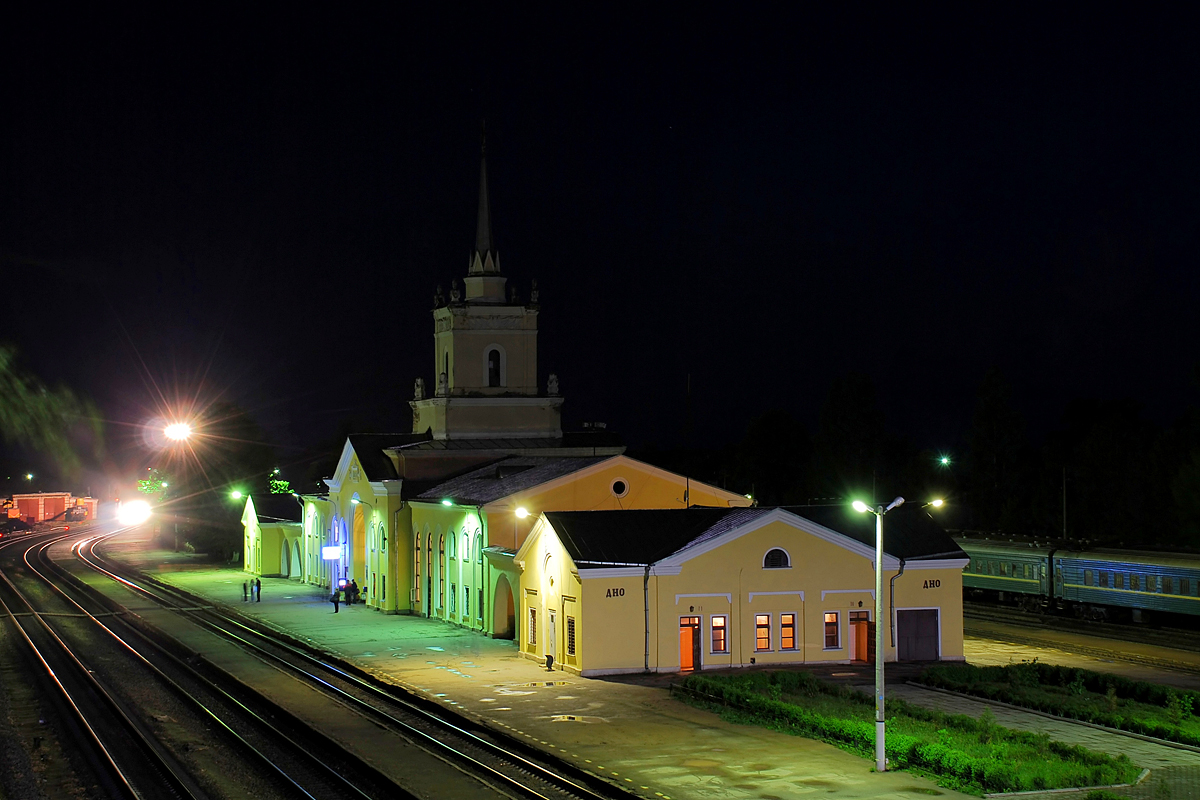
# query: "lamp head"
447,502
938,503
899,501
860,506
522,512
235,494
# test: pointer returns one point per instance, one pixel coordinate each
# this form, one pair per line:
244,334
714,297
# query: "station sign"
331,553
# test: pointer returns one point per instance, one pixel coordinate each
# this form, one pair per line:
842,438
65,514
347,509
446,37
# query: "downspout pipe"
646,606
892,602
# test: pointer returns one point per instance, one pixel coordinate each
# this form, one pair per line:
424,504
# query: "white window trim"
840,632
795,632
711,628
769,648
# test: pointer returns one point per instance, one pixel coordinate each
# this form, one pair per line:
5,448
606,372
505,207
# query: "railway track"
505,765
138,721
1044,627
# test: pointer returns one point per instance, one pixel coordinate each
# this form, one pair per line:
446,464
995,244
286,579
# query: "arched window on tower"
494,368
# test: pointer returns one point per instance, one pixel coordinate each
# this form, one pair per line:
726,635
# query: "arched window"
417,567
493,358
453,548
479,546
441,548
776,559
466,547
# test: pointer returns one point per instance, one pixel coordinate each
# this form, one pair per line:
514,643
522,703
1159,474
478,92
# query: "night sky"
259,209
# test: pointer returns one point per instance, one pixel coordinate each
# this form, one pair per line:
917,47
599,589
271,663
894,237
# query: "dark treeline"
1125,481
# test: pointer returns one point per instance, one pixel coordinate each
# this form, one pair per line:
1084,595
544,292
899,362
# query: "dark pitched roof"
276,508
909,532
594,538
507,476
369,448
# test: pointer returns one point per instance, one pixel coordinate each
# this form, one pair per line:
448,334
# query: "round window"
620,488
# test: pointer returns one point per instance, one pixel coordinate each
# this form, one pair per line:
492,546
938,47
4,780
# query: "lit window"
787,631
1028,571
832,637
532,634
1135,583
570,636
762,631
720,642
775,559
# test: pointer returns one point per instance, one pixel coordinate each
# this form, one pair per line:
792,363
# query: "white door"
552,634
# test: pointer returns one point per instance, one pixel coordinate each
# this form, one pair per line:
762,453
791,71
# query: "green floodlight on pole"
236,494
944,461
447,501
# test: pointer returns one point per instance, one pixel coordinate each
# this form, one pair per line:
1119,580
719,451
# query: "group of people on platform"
352,593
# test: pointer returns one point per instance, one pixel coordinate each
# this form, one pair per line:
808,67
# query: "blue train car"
1011,571
1099,581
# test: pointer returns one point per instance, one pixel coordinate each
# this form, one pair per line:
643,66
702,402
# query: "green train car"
1008,571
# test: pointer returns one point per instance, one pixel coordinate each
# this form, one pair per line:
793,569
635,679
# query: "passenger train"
1098,584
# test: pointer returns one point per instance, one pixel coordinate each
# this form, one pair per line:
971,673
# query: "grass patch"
959,752
1136,706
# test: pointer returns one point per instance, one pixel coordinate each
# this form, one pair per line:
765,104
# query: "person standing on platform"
334,598
245,591
258,588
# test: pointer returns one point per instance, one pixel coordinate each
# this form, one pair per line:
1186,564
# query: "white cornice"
499,400
937,563
387,488
339,474
611,572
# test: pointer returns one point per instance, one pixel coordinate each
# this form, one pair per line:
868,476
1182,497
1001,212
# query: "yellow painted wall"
728,581
647,488
452,567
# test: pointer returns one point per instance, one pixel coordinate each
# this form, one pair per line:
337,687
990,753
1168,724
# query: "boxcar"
1098,580
1012,571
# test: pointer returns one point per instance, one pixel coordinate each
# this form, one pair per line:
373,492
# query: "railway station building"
607,592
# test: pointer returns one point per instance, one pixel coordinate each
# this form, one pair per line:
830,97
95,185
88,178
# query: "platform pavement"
628,731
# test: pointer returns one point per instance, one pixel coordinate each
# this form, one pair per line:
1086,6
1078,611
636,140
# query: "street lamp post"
879,511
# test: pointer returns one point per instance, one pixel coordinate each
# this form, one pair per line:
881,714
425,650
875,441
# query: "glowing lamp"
447,502
135,512
860,506
178,431
937,503
522,512
235,494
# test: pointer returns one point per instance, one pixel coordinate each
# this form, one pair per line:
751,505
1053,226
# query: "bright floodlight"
135,512
944,461
522,512
355,501
447,502
937,503
28,476
178,431
860,506
235,494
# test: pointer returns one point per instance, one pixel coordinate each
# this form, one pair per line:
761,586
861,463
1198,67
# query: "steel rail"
192,701
122,780
561,782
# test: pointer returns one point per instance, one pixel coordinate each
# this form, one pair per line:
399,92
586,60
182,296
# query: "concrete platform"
628,730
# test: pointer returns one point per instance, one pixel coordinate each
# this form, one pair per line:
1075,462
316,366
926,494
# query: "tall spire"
485,260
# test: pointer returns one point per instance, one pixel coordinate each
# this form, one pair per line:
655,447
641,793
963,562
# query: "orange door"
689,643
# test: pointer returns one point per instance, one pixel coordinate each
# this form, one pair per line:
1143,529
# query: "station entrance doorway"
689,643
862,637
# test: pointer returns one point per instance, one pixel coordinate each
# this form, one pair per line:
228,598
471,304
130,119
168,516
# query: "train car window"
991,568
1087,577
1134,582
1028,571
1120,580
1103,579
1183,587
1168,586
1043,571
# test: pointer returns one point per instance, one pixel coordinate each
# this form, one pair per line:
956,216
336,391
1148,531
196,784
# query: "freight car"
1093,584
